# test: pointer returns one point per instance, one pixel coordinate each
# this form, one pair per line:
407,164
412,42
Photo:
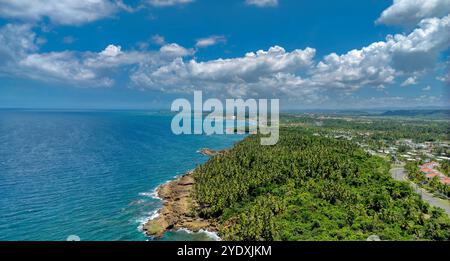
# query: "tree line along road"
399,173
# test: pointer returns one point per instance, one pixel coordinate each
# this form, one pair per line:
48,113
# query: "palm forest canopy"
310,187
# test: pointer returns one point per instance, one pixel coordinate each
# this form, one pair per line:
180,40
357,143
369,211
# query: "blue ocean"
90,174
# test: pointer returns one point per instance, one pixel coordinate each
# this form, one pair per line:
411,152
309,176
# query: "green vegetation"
377,129
445,167
310,187
419,113
433,185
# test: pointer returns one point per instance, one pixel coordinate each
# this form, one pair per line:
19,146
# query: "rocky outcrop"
177,210
210,152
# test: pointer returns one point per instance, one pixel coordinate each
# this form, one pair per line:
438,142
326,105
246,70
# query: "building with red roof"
427,170
430,172
432,175
446,180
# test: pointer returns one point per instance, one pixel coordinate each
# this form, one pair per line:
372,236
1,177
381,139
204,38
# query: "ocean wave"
153,194
213,235
143,220
155,213
136,202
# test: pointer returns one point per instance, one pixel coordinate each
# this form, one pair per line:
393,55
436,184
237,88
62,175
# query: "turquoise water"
90,174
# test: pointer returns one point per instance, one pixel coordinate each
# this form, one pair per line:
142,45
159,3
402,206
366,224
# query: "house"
427,170
430,165
431,175
446,181
430,172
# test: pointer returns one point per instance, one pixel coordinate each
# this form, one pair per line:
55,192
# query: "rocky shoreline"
177,211
210,152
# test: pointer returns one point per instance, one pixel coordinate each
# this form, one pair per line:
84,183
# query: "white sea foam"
155,213
213,235
210,234
137,202
143,220
153,194
145,194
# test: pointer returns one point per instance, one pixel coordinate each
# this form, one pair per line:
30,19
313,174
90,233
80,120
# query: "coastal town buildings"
430,171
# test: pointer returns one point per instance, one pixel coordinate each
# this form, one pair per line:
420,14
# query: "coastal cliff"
177,210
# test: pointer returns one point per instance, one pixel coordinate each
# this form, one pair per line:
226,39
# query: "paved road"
400,175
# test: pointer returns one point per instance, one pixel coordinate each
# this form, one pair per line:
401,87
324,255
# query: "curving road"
399,174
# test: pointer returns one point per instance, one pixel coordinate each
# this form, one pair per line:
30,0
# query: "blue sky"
145,53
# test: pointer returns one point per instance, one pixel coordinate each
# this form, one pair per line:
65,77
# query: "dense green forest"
310,188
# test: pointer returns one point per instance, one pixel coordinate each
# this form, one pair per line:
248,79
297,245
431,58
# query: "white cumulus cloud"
410,81
237,75
175,50
209,41
162,3
426,89
410,12
275,72
66,12
111,51
278,72
15,42
19,53
262,3
158,39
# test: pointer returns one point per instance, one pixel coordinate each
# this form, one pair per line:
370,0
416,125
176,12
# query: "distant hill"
417,113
